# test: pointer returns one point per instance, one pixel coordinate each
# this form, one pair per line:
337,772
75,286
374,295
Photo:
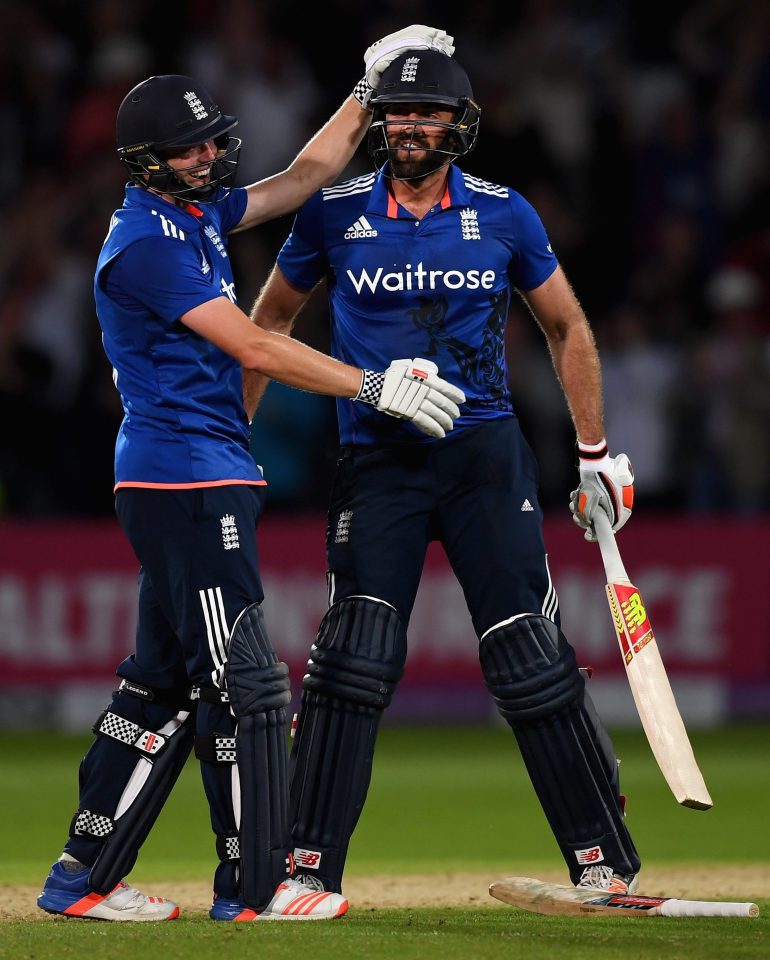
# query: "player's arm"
275,309
320,162
573,351
606,483
273,354
408,389
330,150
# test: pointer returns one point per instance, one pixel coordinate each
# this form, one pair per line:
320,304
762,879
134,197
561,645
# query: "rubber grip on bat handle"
613,565
695,908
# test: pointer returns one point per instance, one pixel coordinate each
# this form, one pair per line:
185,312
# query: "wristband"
370,390
363,92
593,456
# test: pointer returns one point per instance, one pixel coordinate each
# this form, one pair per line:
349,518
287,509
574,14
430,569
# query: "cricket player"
421,259
188,496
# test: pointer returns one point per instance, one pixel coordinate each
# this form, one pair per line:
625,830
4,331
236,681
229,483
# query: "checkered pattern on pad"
124,731
228,848
224,749
93,824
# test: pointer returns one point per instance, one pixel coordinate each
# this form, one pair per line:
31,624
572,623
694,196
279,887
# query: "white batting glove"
383,52
606,483
417,37
411,390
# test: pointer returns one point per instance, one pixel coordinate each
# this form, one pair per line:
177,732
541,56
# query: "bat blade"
654,697
557,900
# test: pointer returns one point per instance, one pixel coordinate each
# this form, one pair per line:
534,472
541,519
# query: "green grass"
449,934
441,800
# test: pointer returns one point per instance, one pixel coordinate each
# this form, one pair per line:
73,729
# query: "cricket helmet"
431,77
162,116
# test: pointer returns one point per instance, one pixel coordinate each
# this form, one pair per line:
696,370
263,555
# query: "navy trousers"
199,568
475,492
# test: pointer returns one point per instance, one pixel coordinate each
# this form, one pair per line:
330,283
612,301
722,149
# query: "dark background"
639,134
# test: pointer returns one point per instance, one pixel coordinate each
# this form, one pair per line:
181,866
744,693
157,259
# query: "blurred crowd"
639,133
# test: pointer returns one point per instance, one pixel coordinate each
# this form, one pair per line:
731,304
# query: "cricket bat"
556,900
647,678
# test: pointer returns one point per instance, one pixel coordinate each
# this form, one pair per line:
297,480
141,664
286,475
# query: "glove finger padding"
445,395
427,425
402,389
416,37
429,408
407,399
610,489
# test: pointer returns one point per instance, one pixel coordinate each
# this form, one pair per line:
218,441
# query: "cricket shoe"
291,901
605,878
68,893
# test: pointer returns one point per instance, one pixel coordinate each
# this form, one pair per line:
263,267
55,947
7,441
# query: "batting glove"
383,52
411,390
606,483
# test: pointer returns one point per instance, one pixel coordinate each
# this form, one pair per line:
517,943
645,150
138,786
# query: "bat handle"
613,565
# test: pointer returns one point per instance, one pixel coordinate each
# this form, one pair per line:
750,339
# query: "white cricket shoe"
291,901
605,878
68,894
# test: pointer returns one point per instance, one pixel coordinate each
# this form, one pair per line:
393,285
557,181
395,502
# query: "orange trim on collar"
195,211
392,205
446,201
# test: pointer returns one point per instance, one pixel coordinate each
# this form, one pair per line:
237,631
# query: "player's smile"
194,164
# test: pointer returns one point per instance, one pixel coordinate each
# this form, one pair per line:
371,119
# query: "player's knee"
257,681
530,669
359,653
136,714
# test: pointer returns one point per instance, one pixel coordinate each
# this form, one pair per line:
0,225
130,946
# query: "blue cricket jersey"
184,423
438,288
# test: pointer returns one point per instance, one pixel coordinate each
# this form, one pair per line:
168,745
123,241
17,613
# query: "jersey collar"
382,201
137,197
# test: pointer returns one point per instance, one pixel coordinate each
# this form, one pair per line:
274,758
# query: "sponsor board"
68,595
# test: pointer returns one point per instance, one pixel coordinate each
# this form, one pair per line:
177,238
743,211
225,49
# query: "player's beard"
418,163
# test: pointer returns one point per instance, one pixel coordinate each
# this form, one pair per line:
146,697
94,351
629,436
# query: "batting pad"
258,686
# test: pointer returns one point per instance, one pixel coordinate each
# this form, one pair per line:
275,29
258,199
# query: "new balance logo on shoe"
360,230
527,507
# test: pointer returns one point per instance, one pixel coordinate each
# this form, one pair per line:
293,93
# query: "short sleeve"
231,209
302,258
535,260
163,274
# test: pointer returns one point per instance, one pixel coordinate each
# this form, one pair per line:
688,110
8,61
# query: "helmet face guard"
460,137
161,118
149,169
430,78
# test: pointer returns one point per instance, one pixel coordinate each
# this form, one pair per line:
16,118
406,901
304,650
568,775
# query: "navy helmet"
160,117
430,77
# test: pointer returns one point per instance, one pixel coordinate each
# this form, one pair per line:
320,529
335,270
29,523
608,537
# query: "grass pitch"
446,805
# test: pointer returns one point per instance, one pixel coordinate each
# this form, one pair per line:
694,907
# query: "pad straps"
125,731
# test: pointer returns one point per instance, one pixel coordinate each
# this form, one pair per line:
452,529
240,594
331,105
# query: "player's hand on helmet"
383,52
606,483
416,37
412,390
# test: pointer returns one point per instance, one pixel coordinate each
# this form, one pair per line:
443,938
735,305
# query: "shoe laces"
309,881
604,878
295,886
129,896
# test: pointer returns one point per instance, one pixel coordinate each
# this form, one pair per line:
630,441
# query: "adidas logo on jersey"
527,507
360,229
